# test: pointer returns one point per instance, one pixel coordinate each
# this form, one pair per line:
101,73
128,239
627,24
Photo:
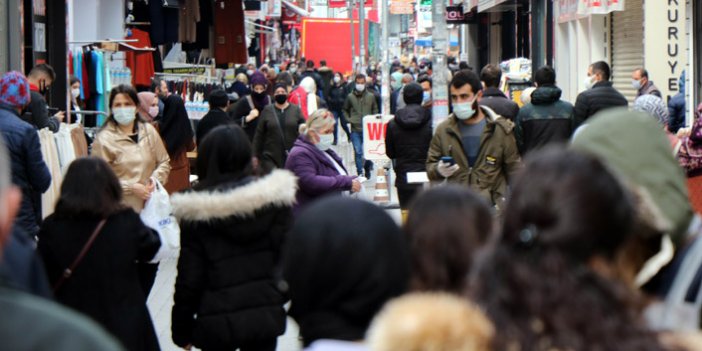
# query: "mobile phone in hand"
449,160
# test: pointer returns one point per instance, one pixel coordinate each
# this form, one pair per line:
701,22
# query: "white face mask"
589,82
426,96
337,80
75,93
325,141
249,72
360,87
293,69
464,111
153,111
636,84
124,115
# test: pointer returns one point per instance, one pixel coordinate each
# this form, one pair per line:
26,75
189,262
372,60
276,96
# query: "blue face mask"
426,97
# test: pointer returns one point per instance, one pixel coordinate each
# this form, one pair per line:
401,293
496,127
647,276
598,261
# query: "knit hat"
258,79
654,106
14,90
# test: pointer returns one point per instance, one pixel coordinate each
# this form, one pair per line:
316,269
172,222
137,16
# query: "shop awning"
569,10
484,5
297,9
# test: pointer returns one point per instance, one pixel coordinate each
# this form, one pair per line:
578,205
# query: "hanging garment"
230,44
80,144
189,17
49,152
141,63
64,146
164,23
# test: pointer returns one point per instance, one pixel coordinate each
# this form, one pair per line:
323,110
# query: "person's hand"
151,186
684,132
142,191
60,116
252,115
355,186
446,170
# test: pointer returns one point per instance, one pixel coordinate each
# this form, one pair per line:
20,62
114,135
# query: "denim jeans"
357,141
340,120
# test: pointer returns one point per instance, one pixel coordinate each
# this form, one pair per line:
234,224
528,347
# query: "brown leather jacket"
133,162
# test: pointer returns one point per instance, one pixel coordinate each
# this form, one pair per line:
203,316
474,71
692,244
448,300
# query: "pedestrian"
37,112
277,130
306,98
177,135
357,105
135,152
75,102
293,69
216,116
311,72
551,253
400,98
547,119
148,106
426,83
599,94
395,85
326,74
232,228
91,226
643,86
240,86
474,147
319,169
666,225
430,322
677,108
337,96
160,88
407,142
493,97
29,172
247,110
446,228
53,326
344,259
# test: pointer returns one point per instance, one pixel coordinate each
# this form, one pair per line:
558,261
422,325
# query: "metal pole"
439,37
353,39
362,32
385,50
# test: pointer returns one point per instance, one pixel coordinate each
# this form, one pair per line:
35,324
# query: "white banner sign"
599,7
374,129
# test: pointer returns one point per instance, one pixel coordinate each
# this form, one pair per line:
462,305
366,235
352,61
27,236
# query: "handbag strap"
68,272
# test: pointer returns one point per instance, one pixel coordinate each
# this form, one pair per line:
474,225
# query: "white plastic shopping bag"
157,214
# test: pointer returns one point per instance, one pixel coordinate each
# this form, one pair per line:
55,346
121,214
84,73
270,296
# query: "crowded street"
350,175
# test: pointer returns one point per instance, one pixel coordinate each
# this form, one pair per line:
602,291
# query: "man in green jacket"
359,104
480,142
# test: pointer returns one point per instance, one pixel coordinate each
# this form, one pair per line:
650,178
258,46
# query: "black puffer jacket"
409,135
547,119
496,100
337,96
602,96
225,293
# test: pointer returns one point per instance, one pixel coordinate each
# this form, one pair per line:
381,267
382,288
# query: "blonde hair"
242,78
318,120
430,322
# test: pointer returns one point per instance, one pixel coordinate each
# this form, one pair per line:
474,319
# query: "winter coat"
37,114
649,89
498,158
356,107
242,109
601,96
231,236
676,112
337,96
213,119
105,285
29,172
546,119
133,162
316,174
318,81
37,324
407,141
497,101
273,141
326,74
22,266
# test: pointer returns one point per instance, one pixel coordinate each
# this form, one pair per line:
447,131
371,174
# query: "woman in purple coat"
319,169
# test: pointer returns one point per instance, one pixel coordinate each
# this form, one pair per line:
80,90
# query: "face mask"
426,96
249,72
464,111
153,111
124,115
256,95
636,84
588,82
337,80
75,93
280,99
325,141
411,69
293,69
360,87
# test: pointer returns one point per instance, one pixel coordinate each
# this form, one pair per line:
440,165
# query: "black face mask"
257,95
280,99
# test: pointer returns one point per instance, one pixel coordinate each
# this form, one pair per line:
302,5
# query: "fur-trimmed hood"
276,189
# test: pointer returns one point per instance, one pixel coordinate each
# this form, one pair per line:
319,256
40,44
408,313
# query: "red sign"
344,3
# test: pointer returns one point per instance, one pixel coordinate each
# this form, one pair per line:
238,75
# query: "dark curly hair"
537,286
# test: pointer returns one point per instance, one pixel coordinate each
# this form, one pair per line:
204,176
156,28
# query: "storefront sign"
275,9
455,15
567,10
401,7
424,20
599,7
666,44
374,129
185,70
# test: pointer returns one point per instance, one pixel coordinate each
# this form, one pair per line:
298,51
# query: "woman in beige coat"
136,154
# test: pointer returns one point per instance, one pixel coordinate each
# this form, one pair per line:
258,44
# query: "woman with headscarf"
148,106
177,135
247,109
305,96
345,258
